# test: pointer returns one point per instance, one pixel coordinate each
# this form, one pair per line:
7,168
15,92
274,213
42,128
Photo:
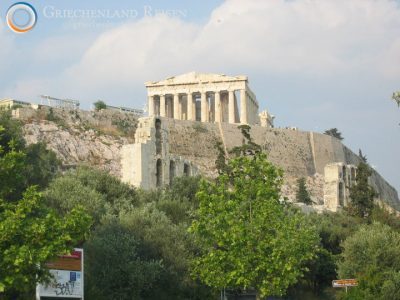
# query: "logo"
21,17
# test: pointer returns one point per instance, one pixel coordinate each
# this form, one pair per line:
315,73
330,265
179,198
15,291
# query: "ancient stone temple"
204,97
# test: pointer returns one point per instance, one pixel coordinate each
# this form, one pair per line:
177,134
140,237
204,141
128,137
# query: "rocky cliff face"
74,147
80,137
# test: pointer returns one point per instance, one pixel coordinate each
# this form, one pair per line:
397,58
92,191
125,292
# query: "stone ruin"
339,178
148,163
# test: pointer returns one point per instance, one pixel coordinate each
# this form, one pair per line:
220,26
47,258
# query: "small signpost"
67,271
340,283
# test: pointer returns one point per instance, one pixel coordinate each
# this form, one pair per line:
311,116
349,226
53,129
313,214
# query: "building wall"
147,163
339,177
9,103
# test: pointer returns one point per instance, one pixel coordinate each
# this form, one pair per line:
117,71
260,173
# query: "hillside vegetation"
184,241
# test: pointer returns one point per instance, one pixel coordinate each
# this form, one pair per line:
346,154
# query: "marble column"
162,106
180,113
211,109
151,105
190,114
176,107
251,111
217,110
204,107
231,107
243,107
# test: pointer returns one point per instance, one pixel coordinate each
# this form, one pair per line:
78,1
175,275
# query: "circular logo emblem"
21,17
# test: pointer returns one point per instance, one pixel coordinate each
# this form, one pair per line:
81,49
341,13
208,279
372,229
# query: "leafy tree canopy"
22,166
361,193
247,237
302,194
396,97
11,136
142,233
334,132
362,156
178,201
114,266
98,105
97,191
31,234
372,255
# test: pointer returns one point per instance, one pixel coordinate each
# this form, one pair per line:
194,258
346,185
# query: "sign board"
71,262
67,284
344,283
67,271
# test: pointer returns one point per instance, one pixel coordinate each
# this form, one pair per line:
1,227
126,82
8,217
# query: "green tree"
11,135
334,132
118,195
12,167
178,201
67,192
99,192
220,162
32,234
162,240
248,147
22,166
41,164
384,216
99,105
114,266
372,255
362,156
12,158
302,194
248,238
147,258
333,229
396,97
361,193
147,228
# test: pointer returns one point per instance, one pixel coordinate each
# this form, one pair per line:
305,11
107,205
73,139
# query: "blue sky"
313,64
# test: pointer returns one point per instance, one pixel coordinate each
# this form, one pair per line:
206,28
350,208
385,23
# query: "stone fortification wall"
298,153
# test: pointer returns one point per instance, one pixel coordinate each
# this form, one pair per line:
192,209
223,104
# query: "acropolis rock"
187,115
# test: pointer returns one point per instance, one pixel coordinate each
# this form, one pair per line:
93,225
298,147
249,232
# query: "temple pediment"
194,77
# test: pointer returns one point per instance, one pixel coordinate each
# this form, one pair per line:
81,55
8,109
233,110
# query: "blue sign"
72,276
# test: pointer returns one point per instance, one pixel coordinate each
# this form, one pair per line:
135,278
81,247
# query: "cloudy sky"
313,64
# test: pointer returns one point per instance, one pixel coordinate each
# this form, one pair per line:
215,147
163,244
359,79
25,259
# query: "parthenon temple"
204,97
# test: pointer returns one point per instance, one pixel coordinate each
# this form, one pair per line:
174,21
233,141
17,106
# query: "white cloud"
306,37
136,50
302,36
313,38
